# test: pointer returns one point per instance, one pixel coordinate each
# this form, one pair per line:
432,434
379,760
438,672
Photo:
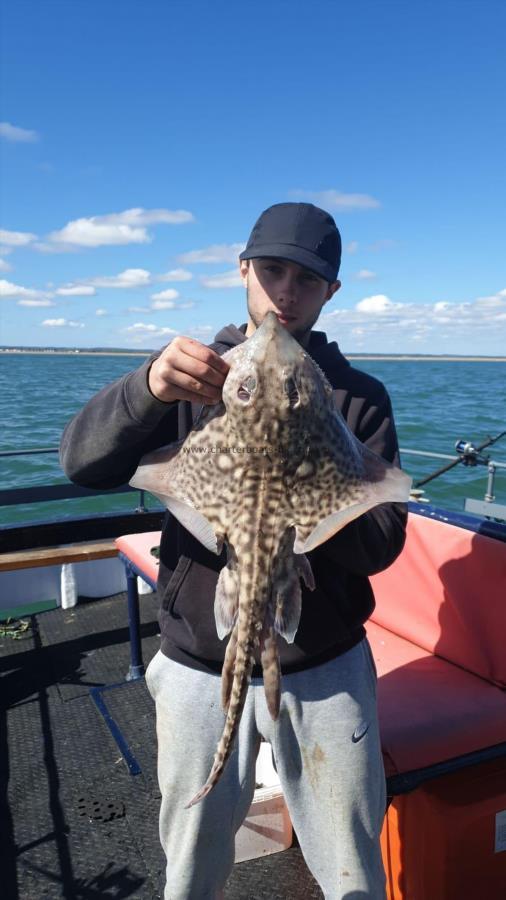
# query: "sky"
140,141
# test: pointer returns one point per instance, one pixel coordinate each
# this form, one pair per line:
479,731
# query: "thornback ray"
271,472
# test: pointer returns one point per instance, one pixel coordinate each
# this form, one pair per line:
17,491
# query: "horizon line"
363,354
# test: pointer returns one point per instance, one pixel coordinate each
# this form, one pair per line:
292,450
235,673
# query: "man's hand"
188,370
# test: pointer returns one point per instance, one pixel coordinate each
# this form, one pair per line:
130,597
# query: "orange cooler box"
447,839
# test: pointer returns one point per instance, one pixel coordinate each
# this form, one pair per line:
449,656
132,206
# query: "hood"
327,355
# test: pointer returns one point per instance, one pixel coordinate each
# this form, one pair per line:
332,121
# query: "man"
325,741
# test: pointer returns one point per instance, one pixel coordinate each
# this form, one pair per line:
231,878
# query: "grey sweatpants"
327,754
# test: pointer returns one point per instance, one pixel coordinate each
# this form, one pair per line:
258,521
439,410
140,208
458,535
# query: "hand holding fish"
188,370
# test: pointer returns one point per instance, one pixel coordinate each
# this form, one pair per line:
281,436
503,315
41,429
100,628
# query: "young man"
325,742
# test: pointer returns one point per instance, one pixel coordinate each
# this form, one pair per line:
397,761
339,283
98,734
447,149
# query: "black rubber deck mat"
60,767
129,713
90,643
282,875
74,823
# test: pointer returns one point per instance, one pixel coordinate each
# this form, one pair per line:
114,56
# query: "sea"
436,403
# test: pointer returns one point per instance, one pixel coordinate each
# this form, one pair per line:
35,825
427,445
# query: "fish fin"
288,606
346,480
285,602
226,598
288,600
304,570
176,474
195,523
392,489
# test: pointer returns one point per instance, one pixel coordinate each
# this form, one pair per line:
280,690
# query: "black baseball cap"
299,232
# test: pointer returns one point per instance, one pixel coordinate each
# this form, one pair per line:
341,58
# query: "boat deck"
75,823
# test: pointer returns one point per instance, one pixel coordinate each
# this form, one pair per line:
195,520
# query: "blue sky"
140,141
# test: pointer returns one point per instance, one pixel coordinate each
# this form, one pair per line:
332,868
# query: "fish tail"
238,691
271,670
227,673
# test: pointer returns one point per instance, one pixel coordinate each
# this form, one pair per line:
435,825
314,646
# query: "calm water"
435,404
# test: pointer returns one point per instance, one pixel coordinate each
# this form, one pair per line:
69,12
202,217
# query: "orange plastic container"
447,839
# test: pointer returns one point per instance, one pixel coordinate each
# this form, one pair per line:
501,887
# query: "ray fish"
270,472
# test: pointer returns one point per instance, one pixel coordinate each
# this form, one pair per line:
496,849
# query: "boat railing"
467,454
72,527
64,491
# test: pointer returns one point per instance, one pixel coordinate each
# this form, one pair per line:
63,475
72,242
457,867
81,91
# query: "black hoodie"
101,448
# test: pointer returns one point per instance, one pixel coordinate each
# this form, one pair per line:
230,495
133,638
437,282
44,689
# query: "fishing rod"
469,456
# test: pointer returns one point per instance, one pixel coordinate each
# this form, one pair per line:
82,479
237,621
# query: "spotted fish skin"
252,629
271,472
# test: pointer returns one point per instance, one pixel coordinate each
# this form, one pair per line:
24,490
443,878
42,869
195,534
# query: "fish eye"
246,388
292,392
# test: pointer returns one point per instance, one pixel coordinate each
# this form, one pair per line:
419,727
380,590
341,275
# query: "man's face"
294,293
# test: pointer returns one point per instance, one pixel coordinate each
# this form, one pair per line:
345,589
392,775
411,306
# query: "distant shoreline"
405,357
378,357
21,352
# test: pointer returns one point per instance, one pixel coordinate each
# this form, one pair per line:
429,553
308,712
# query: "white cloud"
100,312
35,303
230,279
382,323
76,290
141,328
127,227
61,323
332,199
351,248
216,253
202,331
130,278
44,247
169,294
493,301
364,275
16,238
163,300
171,304
139,216
90,233
163,304
174,275
10,291
16,134
377,304
5,266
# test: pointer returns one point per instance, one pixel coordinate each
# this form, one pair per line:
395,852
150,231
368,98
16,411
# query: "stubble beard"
300,334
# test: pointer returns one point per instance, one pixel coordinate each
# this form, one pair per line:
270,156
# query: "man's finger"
175,384
199,370
204,354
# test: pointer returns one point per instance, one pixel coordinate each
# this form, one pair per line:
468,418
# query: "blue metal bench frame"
136,668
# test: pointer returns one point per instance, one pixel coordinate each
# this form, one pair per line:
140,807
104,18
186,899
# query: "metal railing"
38,494
65,491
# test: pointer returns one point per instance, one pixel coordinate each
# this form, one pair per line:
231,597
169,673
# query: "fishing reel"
469,455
